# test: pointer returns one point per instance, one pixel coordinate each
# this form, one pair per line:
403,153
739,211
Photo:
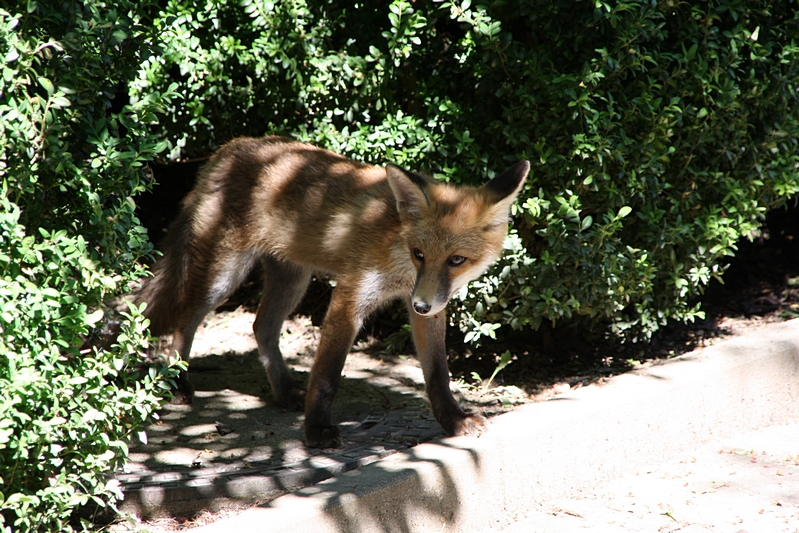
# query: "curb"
553,449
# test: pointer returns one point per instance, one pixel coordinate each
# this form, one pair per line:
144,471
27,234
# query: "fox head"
452,233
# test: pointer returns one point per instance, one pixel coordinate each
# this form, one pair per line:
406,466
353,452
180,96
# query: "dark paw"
322,437
184,393
292,399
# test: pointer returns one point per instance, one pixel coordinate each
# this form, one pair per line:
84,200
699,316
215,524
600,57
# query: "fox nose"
421,307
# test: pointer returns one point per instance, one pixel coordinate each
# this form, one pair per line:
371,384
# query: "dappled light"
235,442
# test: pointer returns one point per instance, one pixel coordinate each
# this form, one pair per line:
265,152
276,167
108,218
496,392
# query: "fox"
297,210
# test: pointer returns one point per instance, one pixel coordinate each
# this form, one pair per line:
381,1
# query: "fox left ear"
508,184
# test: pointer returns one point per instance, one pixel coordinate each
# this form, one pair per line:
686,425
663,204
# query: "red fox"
381,232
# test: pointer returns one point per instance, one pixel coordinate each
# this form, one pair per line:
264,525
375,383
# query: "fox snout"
432,291
427,306
421,307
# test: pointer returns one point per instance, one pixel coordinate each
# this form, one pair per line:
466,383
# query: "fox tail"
165,291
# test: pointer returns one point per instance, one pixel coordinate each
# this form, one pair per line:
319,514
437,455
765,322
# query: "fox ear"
409,191
502,190
508,184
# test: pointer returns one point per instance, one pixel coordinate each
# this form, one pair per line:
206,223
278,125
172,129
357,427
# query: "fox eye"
417,253
456,260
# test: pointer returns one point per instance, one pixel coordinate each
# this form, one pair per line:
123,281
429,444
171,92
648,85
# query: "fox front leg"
429,335
338,333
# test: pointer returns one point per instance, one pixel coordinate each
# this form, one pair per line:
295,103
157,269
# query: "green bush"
659,132
291,67
69,166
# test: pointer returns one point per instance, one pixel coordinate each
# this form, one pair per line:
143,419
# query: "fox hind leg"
182,340
207,288
284,286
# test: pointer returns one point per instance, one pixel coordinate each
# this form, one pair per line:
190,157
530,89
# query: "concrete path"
748,483
640,453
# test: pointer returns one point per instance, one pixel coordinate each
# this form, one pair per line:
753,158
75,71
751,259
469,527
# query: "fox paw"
184,392
470,424
322,437
292,399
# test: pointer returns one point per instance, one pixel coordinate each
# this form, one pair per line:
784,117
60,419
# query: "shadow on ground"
235,447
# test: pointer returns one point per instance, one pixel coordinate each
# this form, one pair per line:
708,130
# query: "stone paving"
234,446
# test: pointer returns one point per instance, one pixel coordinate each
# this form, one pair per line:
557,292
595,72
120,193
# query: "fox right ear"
501,191
409,191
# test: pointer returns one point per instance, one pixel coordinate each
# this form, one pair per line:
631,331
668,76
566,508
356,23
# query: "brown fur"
382,233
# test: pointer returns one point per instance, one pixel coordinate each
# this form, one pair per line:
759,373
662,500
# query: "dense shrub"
684,112
69,166
659,131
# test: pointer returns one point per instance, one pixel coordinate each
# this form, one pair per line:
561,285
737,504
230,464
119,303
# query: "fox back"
386,230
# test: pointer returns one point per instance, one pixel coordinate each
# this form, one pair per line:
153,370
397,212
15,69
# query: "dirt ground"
225,350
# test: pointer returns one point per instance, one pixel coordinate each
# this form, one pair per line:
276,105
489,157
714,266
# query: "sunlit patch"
199,430
225,333
134,458
175,411
156,429
185,456
228,400
373,212
338,231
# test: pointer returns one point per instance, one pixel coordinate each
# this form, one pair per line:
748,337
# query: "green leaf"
60,102
119,36
12,55
47,84
94,317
